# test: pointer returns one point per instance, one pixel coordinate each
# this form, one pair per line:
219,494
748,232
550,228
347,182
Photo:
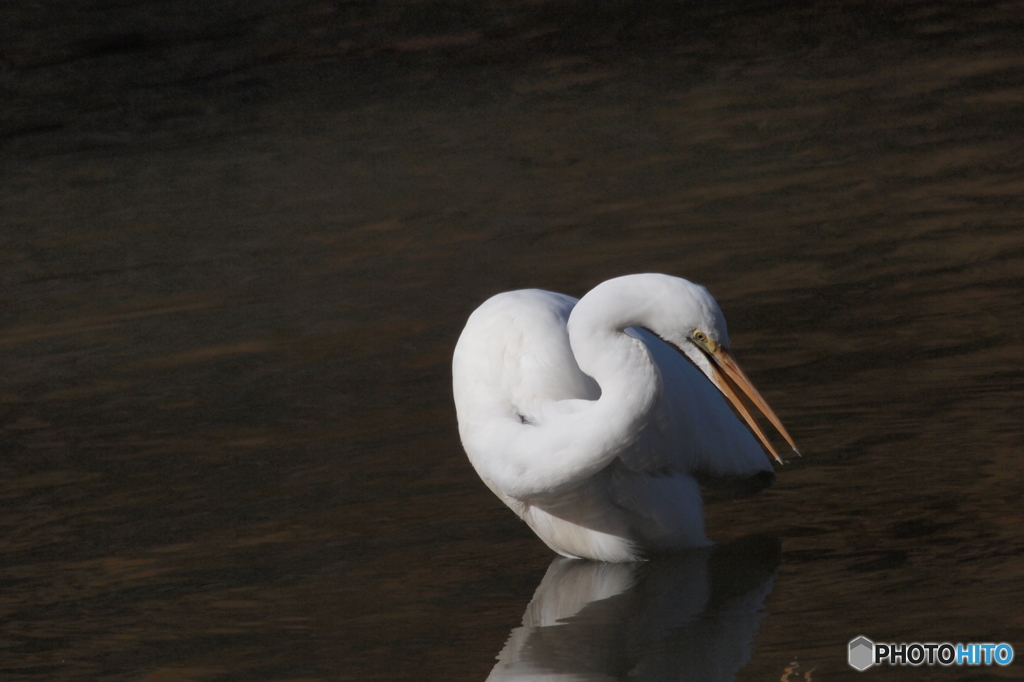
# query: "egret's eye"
702,340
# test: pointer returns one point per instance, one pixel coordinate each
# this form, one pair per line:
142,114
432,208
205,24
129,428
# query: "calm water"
238,243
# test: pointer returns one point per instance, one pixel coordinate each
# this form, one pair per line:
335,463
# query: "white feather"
592,428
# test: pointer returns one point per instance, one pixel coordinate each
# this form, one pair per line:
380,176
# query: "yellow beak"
724,361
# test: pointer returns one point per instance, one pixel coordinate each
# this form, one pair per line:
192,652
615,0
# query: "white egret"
593,419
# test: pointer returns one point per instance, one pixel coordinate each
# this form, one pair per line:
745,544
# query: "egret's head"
688,317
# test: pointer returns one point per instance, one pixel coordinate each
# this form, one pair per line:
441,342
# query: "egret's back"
513,357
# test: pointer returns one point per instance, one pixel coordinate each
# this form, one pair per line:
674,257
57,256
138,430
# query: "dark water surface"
239,241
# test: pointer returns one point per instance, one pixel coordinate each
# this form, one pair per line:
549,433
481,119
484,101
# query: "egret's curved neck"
621,364
578,438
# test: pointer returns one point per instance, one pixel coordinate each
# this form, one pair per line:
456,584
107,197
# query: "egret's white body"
591,427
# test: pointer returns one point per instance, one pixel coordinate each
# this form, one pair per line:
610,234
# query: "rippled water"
238,245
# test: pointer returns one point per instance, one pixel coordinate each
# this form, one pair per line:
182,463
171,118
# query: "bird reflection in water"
691,615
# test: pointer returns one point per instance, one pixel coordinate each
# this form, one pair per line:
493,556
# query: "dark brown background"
238,241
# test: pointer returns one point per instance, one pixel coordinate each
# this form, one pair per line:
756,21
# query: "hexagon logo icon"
862,653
